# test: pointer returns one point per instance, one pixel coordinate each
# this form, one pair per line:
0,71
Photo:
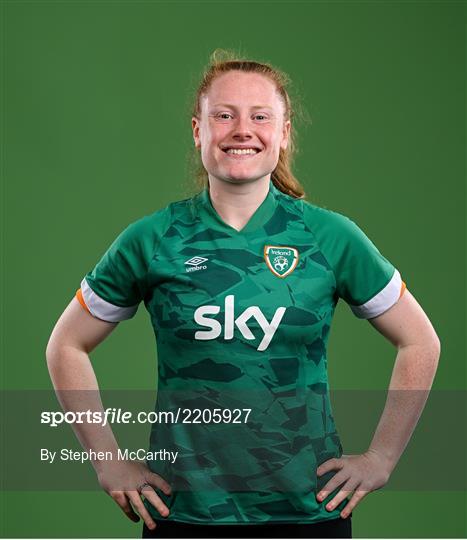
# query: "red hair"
222,61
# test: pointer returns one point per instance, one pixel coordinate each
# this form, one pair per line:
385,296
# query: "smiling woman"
240,139
241,282
252,97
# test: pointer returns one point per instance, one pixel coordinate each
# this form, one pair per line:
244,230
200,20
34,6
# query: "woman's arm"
75,335
408,328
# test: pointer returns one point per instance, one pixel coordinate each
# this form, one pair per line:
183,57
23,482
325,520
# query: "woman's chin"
241,180
242,176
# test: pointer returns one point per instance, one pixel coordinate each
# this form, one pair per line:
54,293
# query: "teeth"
241,151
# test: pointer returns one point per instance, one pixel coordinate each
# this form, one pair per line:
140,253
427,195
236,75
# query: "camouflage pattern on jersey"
242,321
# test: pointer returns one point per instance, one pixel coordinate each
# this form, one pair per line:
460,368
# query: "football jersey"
242,320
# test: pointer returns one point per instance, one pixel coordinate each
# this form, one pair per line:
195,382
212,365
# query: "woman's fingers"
333,484
348,488
361,473
155,500
121,499
159,482
356,498
128,496
330,465
135,499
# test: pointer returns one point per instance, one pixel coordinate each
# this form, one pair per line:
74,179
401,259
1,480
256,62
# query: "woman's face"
241,127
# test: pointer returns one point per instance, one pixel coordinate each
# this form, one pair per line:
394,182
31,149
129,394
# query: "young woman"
241,282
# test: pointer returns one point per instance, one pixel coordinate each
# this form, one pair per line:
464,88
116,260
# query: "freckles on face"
241,129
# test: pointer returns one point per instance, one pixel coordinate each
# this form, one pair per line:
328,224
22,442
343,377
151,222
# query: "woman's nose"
242,127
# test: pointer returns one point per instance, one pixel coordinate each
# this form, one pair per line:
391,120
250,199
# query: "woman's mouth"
241,152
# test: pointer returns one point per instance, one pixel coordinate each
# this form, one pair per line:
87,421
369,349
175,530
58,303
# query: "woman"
241,282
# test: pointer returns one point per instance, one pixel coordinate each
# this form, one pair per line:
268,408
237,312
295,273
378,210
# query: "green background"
95,133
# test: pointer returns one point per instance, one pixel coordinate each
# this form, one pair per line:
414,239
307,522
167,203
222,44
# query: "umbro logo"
196,263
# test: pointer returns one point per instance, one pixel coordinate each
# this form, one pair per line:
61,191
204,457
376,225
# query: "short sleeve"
113,289
365,279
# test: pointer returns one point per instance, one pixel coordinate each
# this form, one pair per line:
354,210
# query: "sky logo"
230,322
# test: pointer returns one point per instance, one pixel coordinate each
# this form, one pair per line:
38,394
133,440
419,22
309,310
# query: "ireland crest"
281,260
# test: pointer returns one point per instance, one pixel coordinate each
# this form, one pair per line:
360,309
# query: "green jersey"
242,320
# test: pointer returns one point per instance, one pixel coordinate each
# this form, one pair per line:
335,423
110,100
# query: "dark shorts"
334,528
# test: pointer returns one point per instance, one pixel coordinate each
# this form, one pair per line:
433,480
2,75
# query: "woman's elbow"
433,343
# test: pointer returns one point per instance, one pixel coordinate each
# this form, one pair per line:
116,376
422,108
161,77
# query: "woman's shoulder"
321,219
159,220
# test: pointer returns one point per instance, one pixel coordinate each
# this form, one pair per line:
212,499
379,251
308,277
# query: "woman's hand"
360,474
126,481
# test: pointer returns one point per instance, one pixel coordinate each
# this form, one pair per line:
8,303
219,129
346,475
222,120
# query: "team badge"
281,260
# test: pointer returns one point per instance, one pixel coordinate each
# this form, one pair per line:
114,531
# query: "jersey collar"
260,217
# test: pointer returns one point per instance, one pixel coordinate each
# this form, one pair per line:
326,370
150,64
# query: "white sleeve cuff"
383,300
100,308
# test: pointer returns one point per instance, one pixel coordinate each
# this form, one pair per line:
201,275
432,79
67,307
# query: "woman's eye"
260,117
224,116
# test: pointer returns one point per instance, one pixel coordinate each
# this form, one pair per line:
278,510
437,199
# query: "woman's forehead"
236,87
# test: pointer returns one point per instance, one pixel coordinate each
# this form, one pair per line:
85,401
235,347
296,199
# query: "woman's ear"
195,127
286,134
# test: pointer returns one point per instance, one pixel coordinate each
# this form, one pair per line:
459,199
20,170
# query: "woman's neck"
237,202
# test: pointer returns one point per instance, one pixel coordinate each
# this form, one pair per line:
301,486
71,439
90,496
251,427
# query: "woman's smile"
241,153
